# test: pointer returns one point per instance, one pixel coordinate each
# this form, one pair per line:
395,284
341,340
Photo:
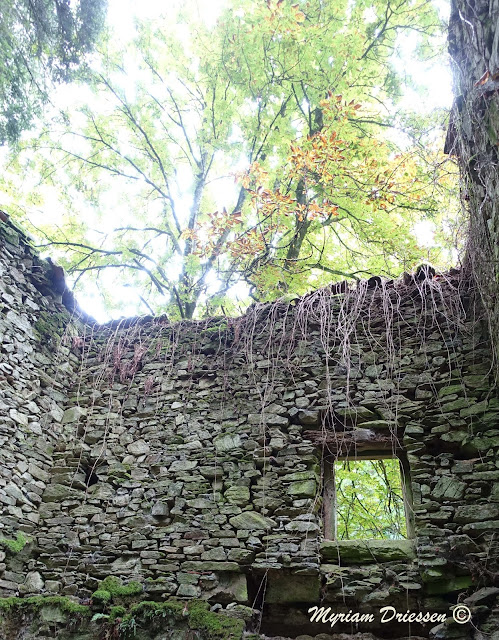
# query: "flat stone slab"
196,565
366,551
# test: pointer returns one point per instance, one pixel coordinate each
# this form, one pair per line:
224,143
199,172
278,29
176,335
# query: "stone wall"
37,369
190,459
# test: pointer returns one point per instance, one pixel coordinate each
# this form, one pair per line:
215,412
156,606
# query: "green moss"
218,328
119,475
111,589
160,580
116,613
37,602
101,595
114,587
149,609
14,546
213,625
195,613
49,325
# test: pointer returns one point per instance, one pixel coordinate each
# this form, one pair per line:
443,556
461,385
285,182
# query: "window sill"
366,551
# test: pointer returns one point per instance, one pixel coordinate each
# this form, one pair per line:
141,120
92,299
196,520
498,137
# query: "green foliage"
40,43
185,109
14,546
369,500
100,617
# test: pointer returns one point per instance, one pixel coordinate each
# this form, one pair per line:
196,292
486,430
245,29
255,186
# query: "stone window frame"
383,452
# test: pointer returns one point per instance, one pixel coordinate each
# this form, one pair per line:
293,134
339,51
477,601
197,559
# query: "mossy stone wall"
190,458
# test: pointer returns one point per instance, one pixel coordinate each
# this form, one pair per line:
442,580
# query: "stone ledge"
366,551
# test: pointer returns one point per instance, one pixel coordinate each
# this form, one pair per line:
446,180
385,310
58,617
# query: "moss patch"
50,325
14,546
116,613
64,604
195,615
101,596
111,588
146,615
213,625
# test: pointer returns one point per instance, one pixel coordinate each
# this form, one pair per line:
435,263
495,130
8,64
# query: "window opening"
369,500
366,498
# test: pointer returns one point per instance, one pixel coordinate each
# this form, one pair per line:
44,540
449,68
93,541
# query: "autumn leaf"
483,79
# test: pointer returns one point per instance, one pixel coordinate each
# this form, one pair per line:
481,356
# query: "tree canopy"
251,152
369,500
41,42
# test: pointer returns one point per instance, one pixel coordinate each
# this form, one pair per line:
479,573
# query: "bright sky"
121,13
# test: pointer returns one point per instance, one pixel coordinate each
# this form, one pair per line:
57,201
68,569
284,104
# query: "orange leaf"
483,79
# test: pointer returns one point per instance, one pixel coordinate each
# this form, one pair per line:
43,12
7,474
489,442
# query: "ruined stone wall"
36,371
190,459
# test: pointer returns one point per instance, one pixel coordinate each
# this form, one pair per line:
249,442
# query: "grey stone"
183,465
34,582
251,520
209,565
20,418
227,442
367,551
476,512
73,414
449,488
138,448
188,590
238,495
305,488
484,595
160,509
38,473
59,492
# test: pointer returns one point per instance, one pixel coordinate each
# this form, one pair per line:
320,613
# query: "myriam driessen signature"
387,614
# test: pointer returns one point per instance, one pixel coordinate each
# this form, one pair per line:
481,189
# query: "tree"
369,500
474,137
41,42
272,94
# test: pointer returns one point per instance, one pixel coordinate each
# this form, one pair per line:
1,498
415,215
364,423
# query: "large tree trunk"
474,50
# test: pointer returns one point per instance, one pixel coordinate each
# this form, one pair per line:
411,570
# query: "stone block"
251,520
289,588
227,442
73,414
34,582
448,488
476,512
367,551
238,495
